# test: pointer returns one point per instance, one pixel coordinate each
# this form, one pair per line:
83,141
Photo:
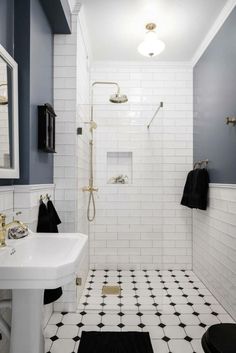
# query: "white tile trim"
30,188
6,188
225,186
224,14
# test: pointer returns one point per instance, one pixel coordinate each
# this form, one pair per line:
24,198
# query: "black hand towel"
47,223
43,218
195,193
53,217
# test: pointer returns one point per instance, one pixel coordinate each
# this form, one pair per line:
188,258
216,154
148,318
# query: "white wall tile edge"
225,186
33,187
6,188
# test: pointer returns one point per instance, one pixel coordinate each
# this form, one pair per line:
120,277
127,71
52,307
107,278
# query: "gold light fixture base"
151,26
111,290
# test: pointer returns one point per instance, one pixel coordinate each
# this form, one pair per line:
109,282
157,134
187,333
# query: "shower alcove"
119,167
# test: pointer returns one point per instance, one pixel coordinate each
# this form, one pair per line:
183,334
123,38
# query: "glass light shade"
151,46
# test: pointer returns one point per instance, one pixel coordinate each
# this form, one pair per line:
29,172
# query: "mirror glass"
5,114
9,135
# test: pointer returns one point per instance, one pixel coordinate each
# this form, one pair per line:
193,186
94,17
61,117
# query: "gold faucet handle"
23,225
2,230
2,220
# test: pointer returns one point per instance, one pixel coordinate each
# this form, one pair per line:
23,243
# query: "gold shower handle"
231,120
89,189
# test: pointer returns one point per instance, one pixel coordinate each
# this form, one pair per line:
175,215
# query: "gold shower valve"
89,189
231,120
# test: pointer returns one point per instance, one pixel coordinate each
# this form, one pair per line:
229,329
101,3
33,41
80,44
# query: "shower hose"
91,213
91,202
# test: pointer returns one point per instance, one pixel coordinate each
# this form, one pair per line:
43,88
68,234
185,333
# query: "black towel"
195,193
47,223
54,219
43,218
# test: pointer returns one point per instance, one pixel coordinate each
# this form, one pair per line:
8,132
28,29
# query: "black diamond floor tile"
60,324
121,314
158,313
83,313
176,313
182,325
139,314
202,325
80,325
195,313
162,325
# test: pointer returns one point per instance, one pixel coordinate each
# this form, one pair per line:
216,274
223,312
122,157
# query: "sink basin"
30,265
41,260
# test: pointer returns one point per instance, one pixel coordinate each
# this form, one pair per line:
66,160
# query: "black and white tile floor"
173,306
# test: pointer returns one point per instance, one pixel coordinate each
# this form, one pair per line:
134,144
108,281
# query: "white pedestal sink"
28,266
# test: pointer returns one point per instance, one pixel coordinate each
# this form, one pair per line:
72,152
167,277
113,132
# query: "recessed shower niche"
119,168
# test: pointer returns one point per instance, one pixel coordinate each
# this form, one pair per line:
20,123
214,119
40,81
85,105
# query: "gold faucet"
4,228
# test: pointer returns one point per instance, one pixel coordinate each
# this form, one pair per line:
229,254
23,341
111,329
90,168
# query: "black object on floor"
115,342
51,295
220,338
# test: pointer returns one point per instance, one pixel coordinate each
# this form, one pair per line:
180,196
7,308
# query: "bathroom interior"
117,176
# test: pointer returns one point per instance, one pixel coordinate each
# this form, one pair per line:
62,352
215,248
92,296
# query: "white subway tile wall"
141,224
71,94
71,163
27,199
214,245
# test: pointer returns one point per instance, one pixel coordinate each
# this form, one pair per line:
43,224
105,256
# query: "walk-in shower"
115,98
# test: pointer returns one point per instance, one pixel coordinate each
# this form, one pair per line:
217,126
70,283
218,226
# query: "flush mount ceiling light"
151,46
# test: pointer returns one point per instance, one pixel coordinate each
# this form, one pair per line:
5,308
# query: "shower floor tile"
173,306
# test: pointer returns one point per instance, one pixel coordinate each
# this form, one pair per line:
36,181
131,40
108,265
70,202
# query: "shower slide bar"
155,114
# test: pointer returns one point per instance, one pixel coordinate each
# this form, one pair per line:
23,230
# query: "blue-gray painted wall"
41,90
26,31
34,54
7,25
214,100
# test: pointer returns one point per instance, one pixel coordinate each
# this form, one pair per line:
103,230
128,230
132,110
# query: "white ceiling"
116,27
